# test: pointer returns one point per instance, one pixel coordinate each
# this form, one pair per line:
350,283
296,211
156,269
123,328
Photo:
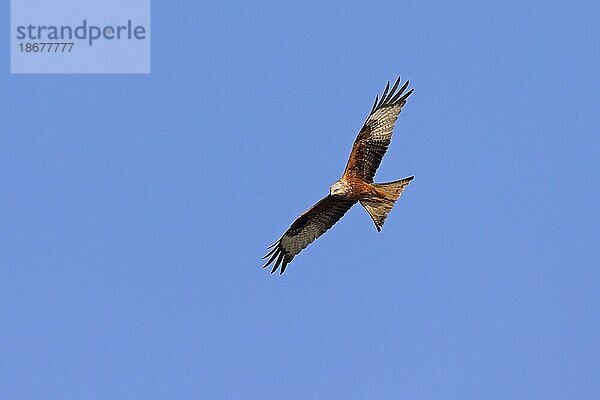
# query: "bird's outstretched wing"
305,229
375,135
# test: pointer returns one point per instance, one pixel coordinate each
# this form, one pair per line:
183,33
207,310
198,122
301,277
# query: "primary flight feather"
355,185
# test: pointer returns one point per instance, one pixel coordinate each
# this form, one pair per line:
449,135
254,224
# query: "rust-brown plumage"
356,183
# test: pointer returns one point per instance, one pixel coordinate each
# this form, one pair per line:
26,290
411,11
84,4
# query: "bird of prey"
356,183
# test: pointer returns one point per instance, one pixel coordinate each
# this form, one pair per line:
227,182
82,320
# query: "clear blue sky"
135,209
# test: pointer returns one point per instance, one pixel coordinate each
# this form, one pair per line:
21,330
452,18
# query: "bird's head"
337,188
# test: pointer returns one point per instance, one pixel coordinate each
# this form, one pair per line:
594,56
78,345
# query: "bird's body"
353,189
355,185
359,190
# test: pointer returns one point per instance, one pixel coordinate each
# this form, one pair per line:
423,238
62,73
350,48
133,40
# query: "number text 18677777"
46,47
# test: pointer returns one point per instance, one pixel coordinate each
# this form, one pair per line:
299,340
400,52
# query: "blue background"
135,209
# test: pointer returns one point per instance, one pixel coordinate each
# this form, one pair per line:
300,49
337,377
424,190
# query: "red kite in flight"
356,184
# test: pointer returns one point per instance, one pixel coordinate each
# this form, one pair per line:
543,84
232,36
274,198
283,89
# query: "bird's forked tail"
380,208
